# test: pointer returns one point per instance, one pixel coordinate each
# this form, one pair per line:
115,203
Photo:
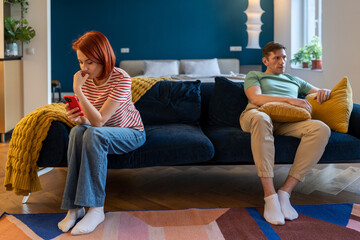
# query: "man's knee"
261,120
322,129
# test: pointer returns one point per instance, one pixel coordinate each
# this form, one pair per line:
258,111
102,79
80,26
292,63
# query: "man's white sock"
70,219
286,208
272,210
92,219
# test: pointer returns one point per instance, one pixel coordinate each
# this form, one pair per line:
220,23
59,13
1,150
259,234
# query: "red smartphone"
73,103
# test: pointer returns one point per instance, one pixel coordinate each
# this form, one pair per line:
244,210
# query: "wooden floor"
189,186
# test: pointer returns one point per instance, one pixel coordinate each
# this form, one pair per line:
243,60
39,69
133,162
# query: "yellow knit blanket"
28,135
141,85
25,145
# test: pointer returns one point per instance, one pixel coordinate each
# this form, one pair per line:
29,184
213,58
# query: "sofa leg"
41,171
25,198
44,170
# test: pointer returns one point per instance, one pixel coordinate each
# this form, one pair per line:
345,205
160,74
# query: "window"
312,19
305,27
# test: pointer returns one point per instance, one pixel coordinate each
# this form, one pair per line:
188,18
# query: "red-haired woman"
110,125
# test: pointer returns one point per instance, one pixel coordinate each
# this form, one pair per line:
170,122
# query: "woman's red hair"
97,48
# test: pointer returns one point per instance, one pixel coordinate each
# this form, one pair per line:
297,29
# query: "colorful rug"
332,221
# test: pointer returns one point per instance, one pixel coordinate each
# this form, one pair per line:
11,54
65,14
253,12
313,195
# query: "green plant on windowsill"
314,49
302,57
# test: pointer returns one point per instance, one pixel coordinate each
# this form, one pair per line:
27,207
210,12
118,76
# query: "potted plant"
314,49
17,30
301,57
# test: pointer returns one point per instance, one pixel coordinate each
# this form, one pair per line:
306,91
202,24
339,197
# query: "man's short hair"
271,47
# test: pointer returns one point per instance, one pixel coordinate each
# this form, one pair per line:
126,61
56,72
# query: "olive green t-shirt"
283,85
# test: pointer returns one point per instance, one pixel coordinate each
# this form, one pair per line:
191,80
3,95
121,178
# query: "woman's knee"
76,131
93,135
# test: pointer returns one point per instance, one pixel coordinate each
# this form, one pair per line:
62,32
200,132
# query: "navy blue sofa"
198,123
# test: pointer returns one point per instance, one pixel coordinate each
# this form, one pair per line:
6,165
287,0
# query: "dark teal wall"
155,29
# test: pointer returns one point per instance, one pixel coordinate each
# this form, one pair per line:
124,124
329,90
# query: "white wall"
37,74
341,37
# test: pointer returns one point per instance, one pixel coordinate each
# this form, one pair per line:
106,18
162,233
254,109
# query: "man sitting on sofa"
276,86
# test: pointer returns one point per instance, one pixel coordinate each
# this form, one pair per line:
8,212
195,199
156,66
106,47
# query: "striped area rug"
332,221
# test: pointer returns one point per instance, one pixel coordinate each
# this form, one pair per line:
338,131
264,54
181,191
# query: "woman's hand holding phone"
72,114
73,108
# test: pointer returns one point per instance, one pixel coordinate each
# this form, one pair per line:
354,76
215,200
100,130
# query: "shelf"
14,11
10,58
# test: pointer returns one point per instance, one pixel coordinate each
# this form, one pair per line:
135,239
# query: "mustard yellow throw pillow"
284,112
336,111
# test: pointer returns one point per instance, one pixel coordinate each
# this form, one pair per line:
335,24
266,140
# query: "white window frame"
301,14
314,16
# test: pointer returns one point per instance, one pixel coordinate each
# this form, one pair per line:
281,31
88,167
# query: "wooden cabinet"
11,79
11,95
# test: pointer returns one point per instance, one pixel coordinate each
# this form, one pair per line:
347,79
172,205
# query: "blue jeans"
87,161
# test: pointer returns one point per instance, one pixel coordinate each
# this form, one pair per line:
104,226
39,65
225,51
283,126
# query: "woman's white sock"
70,219
92,219
272,210
286,208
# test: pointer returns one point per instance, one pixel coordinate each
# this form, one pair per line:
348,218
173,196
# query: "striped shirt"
117,88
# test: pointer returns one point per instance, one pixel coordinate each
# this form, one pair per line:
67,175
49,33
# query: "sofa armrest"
354,123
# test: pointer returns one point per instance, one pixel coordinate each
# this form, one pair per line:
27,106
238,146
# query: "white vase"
11,49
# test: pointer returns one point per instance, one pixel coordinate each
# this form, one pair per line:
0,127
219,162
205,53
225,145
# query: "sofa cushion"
171,102
341,148
207,89
167,145
336,111
232,145
354,121
227,103
284,112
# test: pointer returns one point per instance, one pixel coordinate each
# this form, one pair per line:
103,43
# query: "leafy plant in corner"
18,30
301,57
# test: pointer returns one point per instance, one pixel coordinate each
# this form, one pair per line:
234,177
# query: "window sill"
306,69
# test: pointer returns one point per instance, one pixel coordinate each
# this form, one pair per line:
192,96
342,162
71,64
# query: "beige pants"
314,136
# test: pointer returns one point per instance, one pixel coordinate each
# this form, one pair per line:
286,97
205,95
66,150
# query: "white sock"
286,208
70,219
92,219
272,210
